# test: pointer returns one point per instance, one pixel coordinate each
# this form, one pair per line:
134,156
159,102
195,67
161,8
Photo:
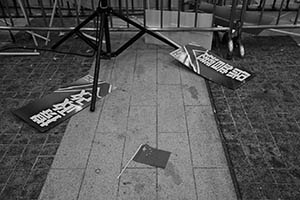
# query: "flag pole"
129,161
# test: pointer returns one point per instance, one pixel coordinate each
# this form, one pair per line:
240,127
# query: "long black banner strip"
47,112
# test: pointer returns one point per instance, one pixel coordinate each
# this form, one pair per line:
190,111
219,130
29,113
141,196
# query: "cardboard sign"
211,66
54,108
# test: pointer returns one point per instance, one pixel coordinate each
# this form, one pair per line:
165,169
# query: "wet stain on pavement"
126,183
276,163
170,170
140,70
139,188
194,92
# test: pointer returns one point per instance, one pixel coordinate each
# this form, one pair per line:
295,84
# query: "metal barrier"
230,16
269,15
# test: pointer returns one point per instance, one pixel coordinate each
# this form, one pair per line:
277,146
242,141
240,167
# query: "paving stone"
80,132
43,162
143,94
194,89
31,191
171,116
9,123
9,162
54,138
7,138
11,192
146,66
214,184
207,153
106,68
49,149
114,113
18,177
244,172
176,181
201,119
168,72
266,133
32,150
141,130
251,191
100,180
15,150
283,176
206,146
22,139
138,184
4,175
26,162
122,75
62,184
262,175
37,176
3,150
37,139
288,191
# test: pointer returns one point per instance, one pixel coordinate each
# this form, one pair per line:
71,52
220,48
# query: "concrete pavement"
157,102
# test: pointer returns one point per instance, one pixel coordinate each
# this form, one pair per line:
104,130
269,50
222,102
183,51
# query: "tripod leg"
130,42
157,36
87,40
92,16
107,35
97,65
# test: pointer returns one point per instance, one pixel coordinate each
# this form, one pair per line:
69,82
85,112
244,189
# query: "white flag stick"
129,161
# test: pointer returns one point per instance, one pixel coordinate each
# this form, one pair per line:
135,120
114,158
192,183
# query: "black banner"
211,66
54,108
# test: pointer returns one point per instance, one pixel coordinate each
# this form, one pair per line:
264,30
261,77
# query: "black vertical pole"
6,23
297,16
16,8
127,11
157,4
107,35
40,3
97,65
161,14
263,4
178,14
28,7
196,13
144,12
120,6
103,29
104,5
279,13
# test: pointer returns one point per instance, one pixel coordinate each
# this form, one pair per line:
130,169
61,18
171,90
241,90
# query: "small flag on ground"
151,156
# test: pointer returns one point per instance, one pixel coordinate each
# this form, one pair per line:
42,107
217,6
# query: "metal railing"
230,16
61,9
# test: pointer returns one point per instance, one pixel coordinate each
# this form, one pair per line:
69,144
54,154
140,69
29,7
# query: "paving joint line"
127,122
188,136
90,151
224,146
156,121
95,131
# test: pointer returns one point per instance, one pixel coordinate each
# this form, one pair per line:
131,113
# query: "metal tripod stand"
103,11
